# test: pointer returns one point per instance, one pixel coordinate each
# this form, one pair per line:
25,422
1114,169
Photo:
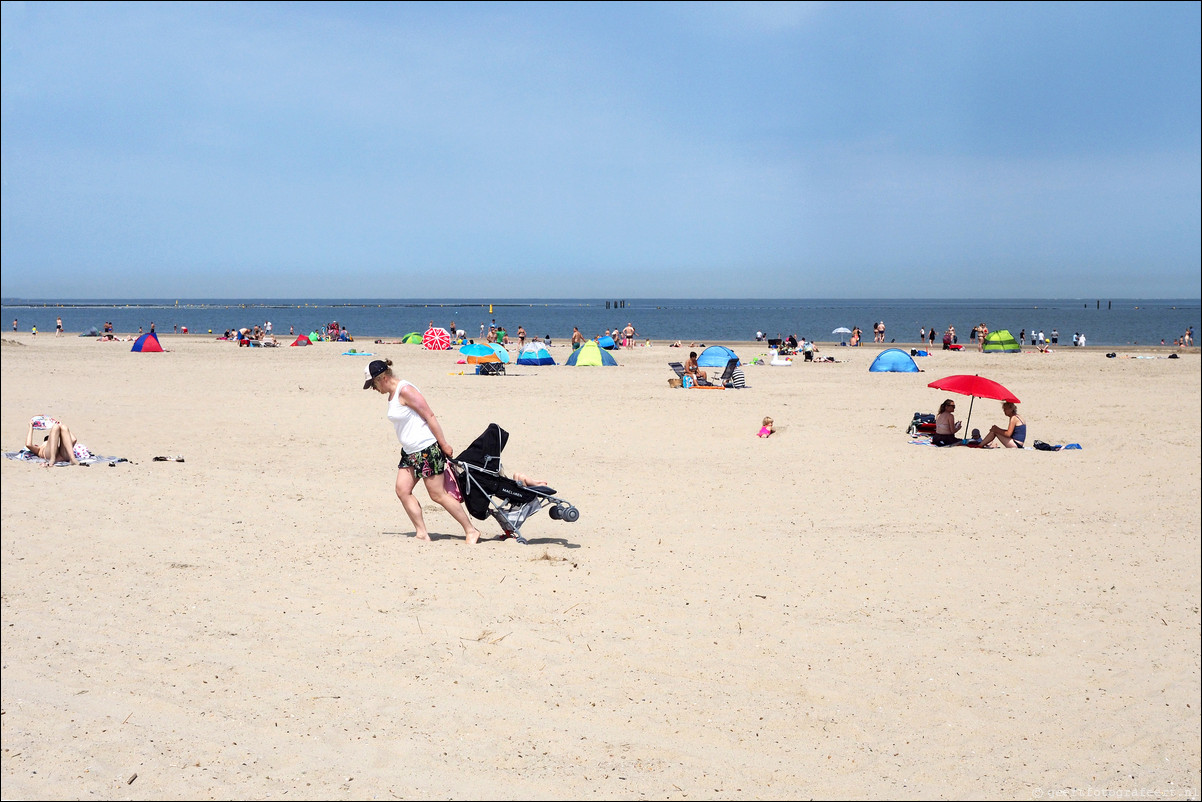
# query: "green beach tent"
1001,342
590,354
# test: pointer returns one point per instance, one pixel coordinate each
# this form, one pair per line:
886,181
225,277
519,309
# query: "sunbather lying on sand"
58,445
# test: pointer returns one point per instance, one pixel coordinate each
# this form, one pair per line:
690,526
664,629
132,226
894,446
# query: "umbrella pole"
967,431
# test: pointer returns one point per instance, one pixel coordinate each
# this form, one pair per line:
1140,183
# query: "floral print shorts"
428,462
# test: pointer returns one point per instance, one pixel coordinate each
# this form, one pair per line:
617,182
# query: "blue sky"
601,150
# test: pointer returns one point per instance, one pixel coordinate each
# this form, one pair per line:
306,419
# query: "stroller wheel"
571,514
555,513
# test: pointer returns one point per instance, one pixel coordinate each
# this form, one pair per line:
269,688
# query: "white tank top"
411,429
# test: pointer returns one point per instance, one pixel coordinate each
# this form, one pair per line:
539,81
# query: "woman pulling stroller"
424,449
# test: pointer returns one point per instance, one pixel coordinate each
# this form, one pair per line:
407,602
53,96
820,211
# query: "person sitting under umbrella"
946,425
1015,433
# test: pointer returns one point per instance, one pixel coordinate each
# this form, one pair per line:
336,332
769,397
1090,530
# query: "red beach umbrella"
436,339
974,387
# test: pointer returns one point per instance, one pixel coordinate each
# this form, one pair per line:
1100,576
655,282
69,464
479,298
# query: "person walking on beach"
58,327
628,335
424,448
577,338
931,335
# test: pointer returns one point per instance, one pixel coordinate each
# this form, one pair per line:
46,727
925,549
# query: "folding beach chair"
693,382
725,380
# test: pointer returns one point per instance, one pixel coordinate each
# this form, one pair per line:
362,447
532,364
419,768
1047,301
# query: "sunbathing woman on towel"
59,445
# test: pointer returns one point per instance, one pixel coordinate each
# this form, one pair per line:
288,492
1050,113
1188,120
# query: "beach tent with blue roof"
893,360
148,343
535,354
591,354
717,356
607,343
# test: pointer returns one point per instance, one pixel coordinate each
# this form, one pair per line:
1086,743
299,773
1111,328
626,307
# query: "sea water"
1104,322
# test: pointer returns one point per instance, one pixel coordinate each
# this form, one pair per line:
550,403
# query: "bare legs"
999,434
406,482
59,445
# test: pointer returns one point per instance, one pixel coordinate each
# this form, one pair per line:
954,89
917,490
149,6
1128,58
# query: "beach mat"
28,456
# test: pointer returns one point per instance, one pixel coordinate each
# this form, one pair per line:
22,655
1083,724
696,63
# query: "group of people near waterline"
626,336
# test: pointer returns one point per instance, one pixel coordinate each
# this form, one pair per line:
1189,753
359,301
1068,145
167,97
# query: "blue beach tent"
717,356
607,343
500,351
535,354
893,360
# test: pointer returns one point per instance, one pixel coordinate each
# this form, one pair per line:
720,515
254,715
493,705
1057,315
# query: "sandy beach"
832,612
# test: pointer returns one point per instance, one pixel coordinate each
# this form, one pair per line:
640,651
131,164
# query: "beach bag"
450,483
686,381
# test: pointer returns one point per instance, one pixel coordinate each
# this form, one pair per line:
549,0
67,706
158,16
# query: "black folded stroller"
487,491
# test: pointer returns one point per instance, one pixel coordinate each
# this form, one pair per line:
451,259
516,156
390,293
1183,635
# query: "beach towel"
24,455
921,439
